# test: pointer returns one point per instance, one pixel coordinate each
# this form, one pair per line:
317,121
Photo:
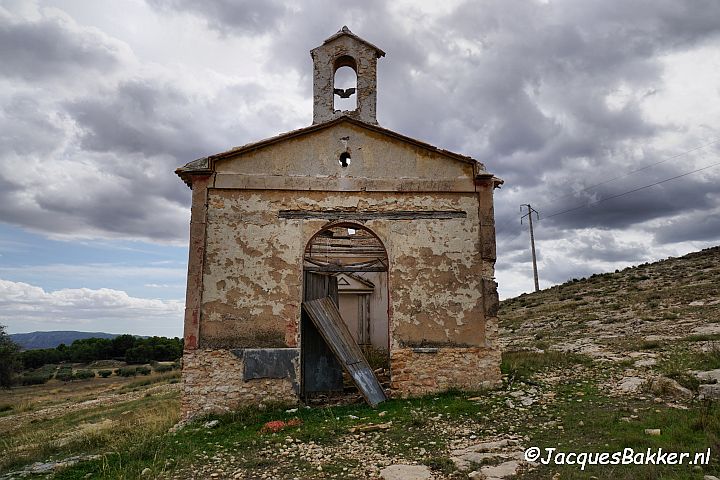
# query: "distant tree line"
127,348
9,362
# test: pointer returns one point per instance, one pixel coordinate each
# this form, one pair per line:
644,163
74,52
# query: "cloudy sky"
573,103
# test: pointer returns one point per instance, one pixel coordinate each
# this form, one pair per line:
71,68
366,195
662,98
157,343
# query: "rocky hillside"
637,313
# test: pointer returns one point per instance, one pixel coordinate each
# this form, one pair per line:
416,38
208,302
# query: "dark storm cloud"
241,17
139,116
522,86
560,271
667,199
51,48
605,247
690,226
27,127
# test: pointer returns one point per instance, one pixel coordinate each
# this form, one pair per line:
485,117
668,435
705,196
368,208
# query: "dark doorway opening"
348,263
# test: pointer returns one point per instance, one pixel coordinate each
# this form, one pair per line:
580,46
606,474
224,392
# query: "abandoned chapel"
319,253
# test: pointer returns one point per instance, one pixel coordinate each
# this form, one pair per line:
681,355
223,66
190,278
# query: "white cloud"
25,307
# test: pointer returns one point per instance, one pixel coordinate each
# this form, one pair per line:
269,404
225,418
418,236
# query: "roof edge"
206,165
346,31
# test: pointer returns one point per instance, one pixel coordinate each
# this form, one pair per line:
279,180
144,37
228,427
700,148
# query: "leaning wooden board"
326,317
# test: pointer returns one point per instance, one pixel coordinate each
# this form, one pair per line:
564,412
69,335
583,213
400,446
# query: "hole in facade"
344,159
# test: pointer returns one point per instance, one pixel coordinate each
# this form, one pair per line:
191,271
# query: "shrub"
143,370
9,359
84,374
127,372
64,376
34,379
105,373
162,368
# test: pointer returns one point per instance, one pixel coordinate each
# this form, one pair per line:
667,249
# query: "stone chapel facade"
404,230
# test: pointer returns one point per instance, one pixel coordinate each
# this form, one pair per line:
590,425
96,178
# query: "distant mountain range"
31,341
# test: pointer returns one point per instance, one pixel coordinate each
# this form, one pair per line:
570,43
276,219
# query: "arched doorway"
347,262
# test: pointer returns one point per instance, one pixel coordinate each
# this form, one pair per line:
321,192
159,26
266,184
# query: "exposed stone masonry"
212,382
418,371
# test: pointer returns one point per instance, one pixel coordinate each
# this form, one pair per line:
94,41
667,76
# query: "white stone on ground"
708,376
497,472
505,449
630,384
405,472
709,392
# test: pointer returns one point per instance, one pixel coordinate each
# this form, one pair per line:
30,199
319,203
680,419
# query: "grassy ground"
59,420
572,413
567,349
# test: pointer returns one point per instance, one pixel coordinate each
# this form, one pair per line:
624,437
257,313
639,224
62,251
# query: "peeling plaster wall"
253,267
245,274
311,162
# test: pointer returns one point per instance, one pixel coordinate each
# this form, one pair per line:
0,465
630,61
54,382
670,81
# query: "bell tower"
345,49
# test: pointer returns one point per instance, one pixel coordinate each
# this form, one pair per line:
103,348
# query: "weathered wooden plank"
326,317
333,329
394,215
340,268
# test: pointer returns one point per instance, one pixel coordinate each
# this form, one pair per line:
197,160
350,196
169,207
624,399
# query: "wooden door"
326,317
320,370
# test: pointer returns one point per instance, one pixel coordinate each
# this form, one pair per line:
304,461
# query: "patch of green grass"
710,360
650,345
596,425
522,364
241,432
162,377
704,337
440,464
95,430
682,359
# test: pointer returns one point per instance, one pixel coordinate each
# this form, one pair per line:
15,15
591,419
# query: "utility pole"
532,240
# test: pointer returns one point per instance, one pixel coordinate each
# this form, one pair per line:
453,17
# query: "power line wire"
638,170
629,192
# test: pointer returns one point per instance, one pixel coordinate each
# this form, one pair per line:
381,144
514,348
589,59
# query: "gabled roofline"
357,278
206,165
346,31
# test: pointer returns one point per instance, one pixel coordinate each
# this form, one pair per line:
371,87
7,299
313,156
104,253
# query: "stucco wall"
253,267
377,162
245,270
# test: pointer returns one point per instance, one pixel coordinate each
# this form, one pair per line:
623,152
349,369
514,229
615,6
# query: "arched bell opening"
345,84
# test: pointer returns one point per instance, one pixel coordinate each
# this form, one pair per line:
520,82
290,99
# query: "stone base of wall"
213,383
421,371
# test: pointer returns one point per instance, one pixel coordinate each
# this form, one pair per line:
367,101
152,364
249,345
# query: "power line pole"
532,240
